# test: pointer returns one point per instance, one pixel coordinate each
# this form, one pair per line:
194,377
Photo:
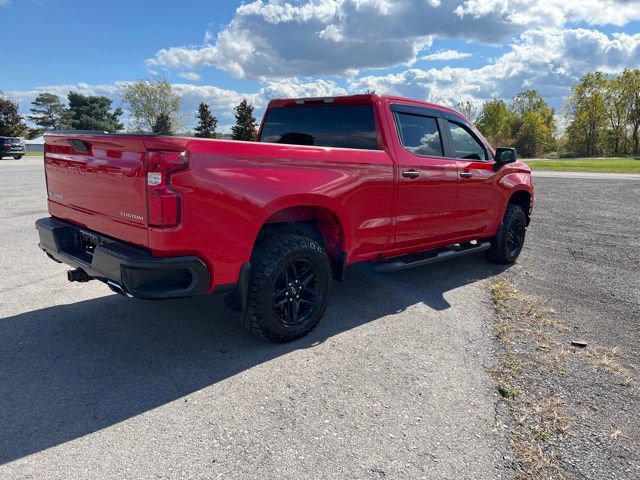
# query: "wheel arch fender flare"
306,201
522,196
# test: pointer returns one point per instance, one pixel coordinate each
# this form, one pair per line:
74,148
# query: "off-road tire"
268,265
503,250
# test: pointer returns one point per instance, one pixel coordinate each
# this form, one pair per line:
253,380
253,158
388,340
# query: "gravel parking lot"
582,260
392,383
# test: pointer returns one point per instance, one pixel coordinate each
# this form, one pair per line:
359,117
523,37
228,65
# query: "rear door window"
419,134
344,126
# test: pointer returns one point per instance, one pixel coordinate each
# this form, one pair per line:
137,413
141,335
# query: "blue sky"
219,52
99,44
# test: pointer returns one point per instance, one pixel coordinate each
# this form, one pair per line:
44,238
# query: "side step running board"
431,256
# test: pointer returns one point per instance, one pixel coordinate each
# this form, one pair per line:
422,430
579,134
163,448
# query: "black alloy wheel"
289,287
515,236
507,245
296,297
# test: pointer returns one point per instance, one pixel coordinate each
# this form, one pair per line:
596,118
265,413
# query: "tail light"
165,203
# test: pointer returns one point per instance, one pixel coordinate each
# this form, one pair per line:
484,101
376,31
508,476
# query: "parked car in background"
11,147
330,182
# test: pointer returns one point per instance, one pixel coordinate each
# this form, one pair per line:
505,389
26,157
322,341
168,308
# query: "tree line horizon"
601,112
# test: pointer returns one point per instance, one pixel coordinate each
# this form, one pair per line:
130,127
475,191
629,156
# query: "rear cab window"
419,134
341,126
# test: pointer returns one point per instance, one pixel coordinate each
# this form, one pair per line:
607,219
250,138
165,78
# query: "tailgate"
99,182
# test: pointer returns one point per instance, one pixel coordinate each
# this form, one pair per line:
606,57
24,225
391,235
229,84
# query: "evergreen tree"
207,122
11,124
245,127
162,125
93,113
48,112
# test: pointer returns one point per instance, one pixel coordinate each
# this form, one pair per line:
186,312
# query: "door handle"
466,174
411,174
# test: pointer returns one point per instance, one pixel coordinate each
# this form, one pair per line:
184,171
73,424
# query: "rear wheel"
17,157
507,245
289,287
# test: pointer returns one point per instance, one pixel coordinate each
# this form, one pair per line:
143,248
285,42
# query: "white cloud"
222,101
548,60
276,39
446,55
191,76
553,12
4,3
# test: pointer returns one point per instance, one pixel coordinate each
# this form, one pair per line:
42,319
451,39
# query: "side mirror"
504,156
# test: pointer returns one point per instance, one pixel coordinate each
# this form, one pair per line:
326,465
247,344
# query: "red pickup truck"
330,182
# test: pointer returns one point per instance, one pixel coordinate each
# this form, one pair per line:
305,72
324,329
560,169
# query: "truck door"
480,199
428,181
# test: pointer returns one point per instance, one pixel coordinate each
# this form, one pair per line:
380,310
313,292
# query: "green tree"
93,113
148,99
162,125
48,112
585,111
207,123
245,127
494,121
616,112
528,101
11,123
630,80
533,136
533,124
33,133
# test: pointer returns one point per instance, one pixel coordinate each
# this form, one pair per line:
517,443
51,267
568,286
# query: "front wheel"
507,245
288,289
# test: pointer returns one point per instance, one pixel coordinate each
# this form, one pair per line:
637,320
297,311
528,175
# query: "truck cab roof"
367,98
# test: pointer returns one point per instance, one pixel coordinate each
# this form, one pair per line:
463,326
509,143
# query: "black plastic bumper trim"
139,273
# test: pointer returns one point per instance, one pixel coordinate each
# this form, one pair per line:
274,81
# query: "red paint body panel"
97,189
231,189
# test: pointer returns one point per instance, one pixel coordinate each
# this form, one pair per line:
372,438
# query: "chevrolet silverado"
329,182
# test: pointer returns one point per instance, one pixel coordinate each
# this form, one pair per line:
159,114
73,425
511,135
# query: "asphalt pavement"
582,260
391,384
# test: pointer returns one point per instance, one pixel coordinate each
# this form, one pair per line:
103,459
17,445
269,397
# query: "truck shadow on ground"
70,370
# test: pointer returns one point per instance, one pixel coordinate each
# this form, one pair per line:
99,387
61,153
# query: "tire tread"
498,252
264,260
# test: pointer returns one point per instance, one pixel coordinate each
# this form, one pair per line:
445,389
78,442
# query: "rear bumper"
12,151
134,270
